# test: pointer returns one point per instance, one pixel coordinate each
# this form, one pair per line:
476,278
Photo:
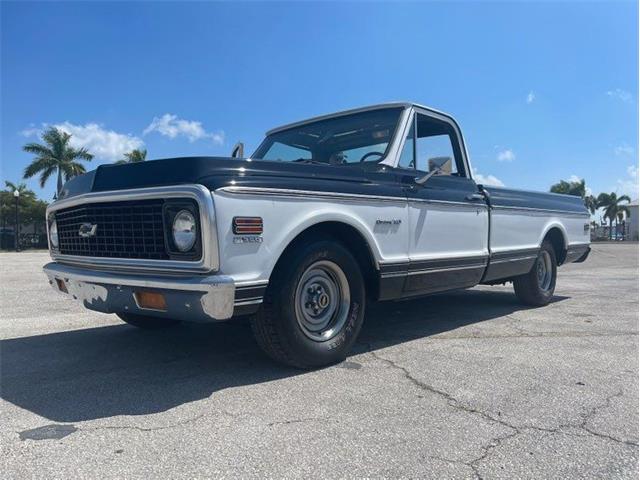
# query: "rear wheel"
536,287
147,323
314,307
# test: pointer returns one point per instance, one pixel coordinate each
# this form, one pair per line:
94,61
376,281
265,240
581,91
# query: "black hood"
216,172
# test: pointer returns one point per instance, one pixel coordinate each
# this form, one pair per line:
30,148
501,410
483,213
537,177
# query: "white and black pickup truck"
328,215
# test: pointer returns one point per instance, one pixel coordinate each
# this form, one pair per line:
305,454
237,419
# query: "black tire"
147,323
280,326
533,289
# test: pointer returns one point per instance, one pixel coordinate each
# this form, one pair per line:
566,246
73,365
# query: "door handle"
474,197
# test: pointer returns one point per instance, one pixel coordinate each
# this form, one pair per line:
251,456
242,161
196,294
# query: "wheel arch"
557,235
359,244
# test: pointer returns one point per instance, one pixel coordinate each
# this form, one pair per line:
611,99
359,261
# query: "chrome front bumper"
195,298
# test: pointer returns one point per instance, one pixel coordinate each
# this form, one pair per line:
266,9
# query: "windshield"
348,139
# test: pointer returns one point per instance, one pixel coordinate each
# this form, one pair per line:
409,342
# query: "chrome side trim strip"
260,283
248,301
208,262
515,259
291,193
471,205
541,211
446,269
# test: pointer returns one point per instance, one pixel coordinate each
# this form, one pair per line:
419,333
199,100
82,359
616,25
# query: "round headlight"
184,230
53,234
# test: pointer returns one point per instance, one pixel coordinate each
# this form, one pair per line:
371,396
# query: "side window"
430,144
434,146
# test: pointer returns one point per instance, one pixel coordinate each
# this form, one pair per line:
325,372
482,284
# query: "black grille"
124,230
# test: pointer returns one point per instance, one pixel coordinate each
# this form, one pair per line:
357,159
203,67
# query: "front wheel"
314,306
536,287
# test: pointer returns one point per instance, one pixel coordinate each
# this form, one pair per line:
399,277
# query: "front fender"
285,219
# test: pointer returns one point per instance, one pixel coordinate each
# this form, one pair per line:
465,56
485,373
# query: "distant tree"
34,212
134,156
31,209
577,189
613,206
21,188
56,155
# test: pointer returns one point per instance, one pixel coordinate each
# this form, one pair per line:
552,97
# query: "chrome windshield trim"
208,262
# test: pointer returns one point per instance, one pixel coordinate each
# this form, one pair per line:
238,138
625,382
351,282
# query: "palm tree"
591,203
612,207
134,156
55,155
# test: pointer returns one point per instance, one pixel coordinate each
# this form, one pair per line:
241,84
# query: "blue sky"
543,90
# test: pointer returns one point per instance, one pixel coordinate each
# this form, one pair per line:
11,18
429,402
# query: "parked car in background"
328,214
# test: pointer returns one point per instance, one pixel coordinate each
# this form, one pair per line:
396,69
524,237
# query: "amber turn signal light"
247,225
151,300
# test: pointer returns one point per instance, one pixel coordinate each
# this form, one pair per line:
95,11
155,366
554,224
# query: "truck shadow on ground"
119,370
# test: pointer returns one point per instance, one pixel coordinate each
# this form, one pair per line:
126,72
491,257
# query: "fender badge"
247,239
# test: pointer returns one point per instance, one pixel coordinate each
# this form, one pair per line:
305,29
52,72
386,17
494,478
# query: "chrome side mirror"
238,150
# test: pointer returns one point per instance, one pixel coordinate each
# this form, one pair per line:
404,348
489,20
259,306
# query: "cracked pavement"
461,385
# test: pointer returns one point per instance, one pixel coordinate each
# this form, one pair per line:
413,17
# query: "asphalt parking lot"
461,385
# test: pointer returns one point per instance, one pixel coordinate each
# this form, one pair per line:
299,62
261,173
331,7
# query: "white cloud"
620,94
624,150
171,126
629,185
506,155
487,179
531,96
102,143
31,131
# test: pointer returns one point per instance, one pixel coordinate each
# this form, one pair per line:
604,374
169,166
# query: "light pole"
16,195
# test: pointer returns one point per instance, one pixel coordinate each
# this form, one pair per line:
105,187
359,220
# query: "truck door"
448,218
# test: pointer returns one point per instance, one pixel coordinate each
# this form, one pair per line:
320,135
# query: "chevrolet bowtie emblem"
88,230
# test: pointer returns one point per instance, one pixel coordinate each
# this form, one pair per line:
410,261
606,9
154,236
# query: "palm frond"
80,153
46,173
72,169
37,166
38,149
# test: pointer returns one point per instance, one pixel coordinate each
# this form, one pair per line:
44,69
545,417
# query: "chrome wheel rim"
544,271
322,300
